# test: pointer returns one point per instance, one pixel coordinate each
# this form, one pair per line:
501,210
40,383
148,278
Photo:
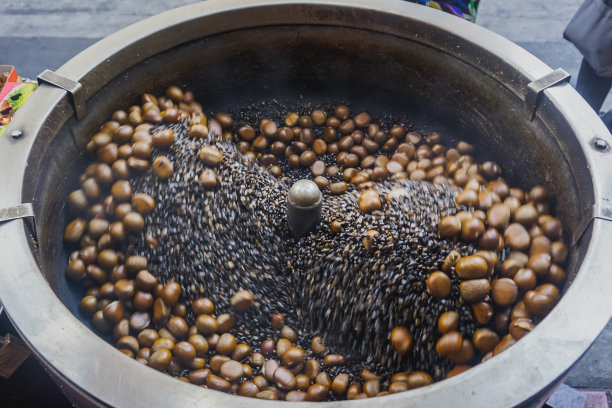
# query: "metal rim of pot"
90,367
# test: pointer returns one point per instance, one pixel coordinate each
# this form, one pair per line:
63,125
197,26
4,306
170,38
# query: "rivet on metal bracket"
601,145
17,134
535,88
75,89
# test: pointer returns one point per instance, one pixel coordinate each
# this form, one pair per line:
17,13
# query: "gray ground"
538,27
39,34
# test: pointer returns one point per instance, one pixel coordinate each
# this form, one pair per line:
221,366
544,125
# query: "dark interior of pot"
376,72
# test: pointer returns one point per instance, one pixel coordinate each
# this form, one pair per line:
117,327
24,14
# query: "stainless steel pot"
450,75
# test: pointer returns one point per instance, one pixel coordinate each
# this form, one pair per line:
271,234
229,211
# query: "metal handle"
15,212
75,89
535,88
20,211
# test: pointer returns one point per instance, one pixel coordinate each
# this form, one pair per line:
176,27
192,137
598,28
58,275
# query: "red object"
11,80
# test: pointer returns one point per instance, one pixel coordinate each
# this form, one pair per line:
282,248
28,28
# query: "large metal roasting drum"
449,75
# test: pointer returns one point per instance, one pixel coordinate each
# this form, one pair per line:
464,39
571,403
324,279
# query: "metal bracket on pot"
18,211
599,212
535,88
15,212
72,87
